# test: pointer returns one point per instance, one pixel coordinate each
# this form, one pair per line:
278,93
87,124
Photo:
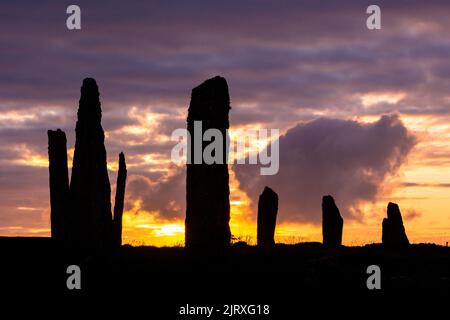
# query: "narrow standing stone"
90,190
59,183
394,235
207,189
332,223
267,217
120,196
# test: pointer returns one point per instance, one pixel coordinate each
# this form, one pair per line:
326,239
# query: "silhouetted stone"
394,235
90,191
332,223
267,217
207,189
59,182
120,196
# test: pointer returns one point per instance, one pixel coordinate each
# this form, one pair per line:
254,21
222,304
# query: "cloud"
24,197
426,185
163,196
412,214
344,158
139,59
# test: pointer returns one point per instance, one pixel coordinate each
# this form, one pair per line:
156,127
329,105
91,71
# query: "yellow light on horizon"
169,230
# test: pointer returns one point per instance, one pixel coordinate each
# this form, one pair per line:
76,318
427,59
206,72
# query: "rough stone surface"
207,185
267,217
59,182
120,196
332,223
90,191
394,235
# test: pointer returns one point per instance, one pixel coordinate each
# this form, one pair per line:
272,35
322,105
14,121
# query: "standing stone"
394,235
59,182
207,189
332,223
90,191
267,217
120,196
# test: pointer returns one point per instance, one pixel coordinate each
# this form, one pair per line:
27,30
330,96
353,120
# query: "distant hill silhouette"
285,274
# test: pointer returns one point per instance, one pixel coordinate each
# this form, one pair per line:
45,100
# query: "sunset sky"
364,114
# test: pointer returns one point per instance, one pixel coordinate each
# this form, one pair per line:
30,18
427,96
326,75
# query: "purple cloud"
344,158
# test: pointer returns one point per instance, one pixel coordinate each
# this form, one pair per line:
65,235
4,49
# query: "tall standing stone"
90,191
332,223
207,188
394,235
267,217
59,183
120,196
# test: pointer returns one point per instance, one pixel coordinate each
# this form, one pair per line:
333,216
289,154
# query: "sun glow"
168,229
29,158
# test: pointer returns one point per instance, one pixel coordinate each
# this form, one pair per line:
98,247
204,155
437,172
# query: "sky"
363,114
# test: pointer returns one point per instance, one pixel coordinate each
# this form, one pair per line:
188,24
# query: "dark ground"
288,277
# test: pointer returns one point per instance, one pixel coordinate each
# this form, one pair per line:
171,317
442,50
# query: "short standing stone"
394,234
332,223
267,217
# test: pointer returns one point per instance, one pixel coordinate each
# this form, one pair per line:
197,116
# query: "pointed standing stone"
207,188
120,196
90,191
394,235
332,223
59,182
267,217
